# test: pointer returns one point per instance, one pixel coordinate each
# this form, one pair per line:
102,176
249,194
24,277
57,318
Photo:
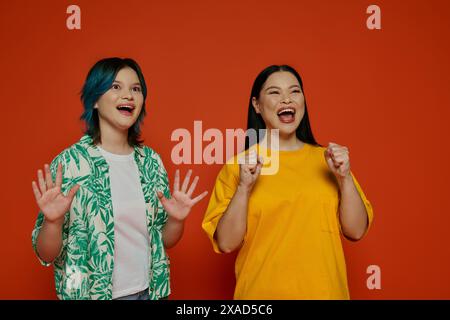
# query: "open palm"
51,201
181,202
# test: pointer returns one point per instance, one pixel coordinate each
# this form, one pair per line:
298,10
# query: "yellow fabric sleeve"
224,189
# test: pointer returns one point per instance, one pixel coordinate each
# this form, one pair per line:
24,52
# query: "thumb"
260,160
161,197
258,169
73,191
328,159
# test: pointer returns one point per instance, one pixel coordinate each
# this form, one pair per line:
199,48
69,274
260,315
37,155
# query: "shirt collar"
87,142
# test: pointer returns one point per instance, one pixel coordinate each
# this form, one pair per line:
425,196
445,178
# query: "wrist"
175,221
58,223
243,189
344,181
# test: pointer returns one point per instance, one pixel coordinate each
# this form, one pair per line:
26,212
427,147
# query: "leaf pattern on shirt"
84,267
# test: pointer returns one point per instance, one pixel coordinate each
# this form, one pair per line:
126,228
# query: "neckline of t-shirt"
298,151
116,157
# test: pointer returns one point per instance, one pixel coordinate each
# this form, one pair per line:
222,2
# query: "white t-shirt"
131,237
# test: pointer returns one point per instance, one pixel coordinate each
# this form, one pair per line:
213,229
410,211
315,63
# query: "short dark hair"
99,80
255,120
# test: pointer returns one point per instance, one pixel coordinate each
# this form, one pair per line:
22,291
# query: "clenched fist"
338,160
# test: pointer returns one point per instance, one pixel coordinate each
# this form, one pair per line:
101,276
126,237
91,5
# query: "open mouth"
286,115
126,109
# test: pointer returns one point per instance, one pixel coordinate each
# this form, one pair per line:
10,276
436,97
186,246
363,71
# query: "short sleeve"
67,184
224,189
163,186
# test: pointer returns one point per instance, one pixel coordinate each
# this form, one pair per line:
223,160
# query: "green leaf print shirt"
84,267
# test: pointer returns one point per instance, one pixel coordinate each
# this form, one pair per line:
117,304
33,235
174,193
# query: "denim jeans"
142,295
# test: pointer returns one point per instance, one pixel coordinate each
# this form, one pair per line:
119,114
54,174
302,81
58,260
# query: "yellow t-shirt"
292,248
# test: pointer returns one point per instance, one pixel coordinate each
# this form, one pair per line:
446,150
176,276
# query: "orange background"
383,93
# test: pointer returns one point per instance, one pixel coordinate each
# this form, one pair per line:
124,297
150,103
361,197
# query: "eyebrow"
275,87
136,83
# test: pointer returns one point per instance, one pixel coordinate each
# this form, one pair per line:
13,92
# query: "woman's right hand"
52,202
250,170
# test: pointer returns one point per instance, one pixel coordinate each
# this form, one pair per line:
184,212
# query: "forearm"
49,240
233,224
353,213
172,232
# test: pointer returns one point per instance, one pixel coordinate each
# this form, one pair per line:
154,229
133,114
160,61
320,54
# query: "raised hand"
52,202
181,202
250,170
338,160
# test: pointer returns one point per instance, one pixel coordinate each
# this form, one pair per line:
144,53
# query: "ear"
96,106
256,105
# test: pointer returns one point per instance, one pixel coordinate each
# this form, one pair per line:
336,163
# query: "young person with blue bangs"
106,213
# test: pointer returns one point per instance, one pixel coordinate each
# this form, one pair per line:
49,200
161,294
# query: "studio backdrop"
376,79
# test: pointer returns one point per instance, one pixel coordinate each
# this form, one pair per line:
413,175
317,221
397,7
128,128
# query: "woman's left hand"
338,160
181,202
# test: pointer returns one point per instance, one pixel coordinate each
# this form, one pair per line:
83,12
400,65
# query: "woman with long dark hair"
287,225
106,214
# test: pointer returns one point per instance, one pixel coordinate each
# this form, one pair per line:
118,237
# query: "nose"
127,95
286,100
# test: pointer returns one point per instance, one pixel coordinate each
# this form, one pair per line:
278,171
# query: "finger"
161,198
36,192
193,186
200,197
258,169
245,169
186,181
73,191
58,181
339,154
338,148
176,184
41,181
334,147
332,144
48,177
337,159
332,150
327,153
338,163
260,160
252,168
340,151
335,151
329,161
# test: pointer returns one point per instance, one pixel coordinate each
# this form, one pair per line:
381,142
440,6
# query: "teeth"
286,110
125,107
